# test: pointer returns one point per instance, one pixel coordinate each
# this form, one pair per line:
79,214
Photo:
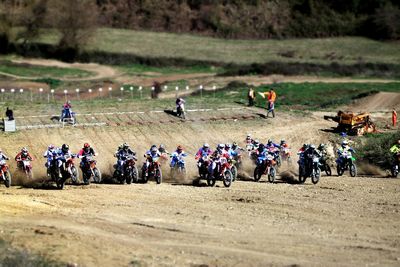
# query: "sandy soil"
340,221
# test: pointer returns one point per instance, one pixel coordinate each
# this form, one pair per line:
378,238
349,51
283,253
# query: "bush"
376,149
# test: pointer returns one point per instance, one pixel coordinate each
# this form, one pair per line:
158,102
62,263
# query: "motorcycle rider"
152,155
308,155
63,154
48,154
124,151
301,151
86,151
180,104
345,148
23,155
322,150
179,153
3,156
273,148
162,149
395,150
66,111
203,151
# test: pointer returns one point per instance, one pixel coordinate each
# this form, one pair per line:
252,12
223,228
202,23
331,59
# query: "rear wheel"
257,174
7,179
271,175
353,170
228,177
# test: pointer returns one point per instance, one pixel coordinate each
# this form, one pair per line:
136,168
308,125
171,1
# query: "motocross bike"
310,168
324,166
26,167
232,167
89,170
152,170
180,111
221,172
5,174
68,116
346,162
55,172
203,166
130,173
70,171
265,166
179,166
286,155
275,152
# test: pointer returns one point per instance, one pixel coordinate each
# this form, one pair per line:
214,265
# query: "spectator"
9,114
394,117
271,97
252,96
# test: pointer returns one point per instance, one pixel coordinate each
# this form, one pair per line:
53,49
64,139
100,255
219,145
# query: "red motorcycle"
266,165
221,172
153,170
5,174
26,166
70,170
203,165
90,170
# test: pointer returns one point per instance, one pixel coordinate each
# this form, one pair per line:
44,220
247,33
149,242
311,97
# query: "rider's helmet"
261,148
86,147
248,136
256,142
162,146
206,146
65,148
179,148
305,146
345,143
228,146
321,146
312,147
269,142
283,142
50,147
24,151
125,146
234,145
220,147
153,149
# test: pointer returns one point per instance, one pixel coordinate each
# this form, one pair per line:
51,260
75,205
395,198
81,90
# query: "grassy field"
149,71
346,50
26,70
305,96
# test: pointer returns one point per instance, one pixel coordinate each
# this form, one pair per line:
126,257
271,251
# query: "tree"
387,22
76,20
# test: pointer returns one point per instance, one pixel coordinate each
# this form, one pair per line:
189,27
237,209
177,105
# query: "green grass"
346,50
26,70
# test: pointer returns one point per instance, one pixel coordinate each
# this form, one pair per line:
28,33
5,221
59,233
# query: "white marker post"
122,92
214,89
140,90
201,91
110,92
40,94
52,95
131,89
77,93
13,91
66,95
2,94
21,91
100,91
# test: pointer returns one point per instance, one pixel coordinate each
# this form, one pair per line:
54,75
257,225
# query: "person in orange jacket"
271,98
394,117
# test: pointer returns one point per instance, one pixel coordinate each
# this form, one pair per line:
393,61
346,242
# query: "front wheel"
234,172
60,183
302,175
158,176
271,175
135,177
316,175
7,179
227,178
339,170
96,175
257,174
328,170
353,170
74,175
210,180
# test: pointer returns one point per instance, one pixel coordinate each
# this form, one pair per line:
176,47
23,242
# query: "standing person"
9,114
271,102
251,96
394,117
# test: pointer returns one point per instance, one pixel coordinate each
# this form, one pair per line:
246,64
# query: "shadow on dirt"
171,112
55,118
